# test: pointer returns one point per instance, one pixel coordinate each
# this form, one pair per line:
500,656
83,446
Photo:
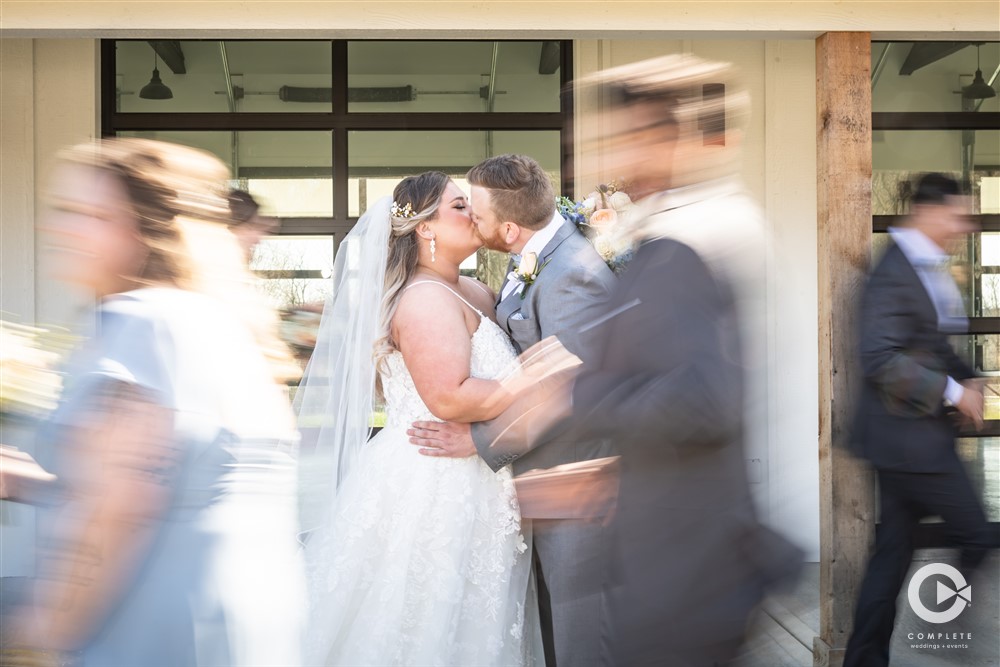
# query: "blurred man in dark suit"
674,376
914,384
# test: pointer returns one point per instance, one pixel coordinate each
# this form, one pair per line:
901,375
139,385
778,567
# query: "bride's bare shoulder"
478,287
424,297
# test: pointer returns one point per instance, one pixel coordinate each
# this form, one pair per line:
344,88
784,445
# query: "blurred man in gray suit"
676,380
555,286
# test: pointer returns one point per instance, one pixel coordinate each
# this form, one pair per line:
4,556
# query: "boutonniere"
526,272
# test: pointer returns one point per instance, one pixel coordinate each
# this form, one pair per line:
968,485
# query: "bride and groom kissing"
420,555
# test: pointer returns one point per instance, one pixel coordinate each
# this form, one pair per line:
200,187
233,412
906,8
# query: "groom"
556,284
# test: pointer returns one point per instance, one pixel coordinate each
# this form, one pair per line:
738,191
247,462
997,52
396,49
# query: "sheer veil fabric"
335,399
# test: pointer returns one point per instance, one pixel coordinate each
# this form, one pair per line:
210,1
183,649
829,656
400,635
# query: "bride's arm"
431,331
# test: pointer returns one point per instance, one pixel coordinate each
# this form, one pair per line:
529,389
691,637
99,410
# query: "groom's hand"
443,439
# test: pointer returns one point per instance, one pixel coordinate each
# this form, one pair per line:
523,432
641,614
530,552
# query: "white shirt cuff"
953,392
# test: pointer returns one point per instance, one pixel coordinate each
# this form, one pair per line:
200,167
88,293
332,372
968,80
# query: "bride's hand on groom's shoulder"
446,439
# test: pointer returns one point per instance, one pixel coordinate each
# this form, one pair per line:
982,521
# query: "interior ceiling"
940,58
309,57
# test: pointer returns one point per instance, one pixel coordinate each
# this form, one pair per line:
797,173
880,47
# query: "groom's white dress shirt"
536,244
931,264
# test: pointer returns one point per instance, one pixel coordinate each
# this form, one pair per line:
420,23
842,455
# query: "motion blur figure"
169,532
671,381
248,225
915,386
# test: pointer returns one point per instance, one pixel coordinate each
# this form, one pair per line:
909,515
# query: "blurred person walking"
673,376
169,532
247,224
914,384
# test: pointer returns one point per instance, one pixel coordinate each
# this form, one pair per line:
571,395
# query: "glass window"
971,156
295,270
286,77
403,77
289,173
929,76
294,275
982,460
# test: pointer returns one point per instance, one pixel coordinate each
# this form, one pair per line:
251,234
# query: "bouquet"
29,380
602,217
30,385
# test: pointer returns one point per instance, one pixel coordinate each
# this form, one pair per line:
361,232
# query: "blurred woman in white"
170,534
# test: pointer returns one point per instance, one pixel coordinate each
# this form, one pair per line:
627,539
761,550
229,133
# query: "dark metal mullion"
324,121
338,54
987,222
979,326
935,120
566,111
109,87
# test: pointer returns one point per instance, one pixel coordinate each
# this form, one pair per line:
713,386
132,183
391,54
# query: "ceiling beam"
170,53
924,53
548,61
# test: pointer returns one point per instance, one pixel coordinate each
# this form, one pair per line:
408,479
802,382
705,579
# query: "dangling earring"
433,250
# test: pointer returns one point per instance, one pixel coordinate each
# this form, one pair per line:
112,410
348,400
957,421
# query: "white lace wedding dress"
425,558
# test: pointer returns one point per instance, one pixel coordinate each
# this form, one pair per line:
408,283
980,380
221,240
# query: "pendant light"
155,89
978,89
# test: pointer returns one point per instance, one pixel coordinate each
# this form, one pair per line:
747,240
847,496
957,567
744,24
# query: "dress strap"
462,298
482,287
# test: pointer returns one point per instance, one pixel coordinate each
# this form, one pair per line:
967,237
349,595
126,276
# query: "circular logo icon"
960,590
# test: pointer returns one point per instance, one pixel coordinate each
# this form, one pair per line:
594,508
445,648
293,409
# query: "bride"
413,560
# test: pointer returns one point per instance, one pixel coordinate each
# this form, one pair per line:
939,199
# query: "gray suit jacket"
569,292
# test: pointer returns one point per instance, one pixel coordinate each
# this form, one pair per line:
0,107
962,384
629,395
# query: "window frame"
936,535
340,122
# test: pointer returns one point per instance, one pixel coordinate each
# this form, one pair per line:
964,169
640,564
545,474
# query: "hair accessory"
404,212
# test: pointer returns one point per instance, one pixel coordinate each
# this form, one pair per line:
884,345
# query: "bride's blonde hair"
415,200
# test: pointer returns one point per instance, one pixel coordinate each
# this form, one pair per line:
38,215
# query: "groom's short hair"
520,190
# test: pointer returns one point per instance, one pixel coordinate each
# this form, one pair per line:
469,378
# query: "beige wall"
779,170
465,19
49,101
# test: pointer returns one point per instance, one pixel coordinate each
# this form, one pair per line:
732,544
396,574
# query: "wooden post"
492,268
844,171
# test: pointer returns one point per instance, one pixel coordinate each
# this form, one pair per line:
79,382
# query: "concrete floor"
781,634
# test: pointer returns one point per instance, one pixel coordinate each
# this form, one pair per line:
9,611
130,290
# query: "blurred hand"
971,404
18,469
546,360
453,441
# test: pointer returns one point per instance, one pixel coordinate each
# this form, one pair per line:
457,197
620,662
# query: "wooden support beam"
170,53
844,220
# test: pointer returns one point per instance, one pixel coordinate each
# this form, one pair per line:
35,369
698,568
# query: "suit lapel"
564,232
514,302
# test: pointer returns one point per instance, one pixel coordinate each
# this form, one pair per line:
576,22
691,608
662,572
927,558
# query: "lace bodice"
492,357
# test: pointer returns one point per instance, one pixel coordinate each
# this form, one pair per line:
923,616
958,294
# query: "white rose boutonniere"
526,272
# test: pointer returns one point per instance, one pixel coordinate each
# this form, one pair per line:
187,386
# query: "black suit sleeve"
680,378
